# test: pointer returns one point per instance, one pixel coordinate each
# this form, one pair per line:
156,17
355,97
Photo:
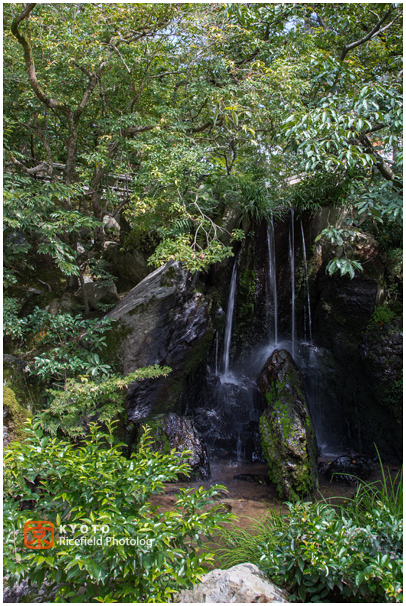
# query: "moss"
289,448
28,390
16,415
114,340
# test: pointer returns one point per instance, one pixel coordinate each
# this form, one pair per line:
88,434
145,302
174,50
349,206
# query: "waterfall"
309,311
272,274
229,318
292,275
217,354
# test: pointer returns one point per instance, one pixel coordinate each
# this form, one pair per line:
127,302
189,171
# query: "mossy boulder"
287,433
14,417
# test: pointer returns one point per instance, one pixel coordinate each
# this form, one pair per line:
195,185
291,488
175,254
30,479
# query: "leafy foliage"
82,402
324,553
65,345
91,486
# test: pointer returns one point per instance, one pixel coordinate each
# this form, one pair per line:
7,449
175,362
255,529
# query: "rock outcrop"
166,322
98,293
172,431
241,584
287,433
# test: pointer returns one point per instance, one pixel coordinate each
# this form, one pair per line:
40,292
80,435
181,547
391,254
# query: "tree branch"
374,32
23,39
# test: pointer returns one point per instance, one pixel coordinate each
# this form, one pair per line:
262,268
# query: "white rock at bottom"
241,584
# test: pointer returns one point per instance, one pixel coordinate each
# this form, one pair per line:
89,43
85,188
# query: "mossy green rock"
15,416
287,433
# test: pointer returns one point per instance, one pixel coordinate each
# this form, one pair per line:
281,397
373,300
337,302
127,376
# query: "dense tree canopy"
170,114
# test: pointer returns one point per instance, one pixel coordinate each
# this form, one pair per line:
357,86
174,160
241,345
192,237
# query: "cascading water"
230,403
229,319
309,311
272,276
217,355
292,276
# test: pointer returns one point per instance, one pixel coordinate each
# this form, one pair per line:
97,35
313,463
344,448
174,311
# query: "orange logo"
39,534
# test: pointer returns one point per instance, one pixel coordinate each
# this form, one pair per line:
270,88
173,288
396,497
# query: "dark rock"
382,353
257,478
172,431
167,323
129,266
348,469
227,413
288,437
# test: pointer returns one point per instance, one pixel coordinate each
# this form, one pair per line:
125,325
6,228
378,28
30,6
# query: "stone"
98,293
110,225
347,469
286,428
130,266
241,584
167,323
62,305
172,431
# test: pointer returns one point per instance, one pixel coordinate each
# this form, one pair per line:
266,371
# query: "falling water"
217,354
309,311
229,318
272,275
292,274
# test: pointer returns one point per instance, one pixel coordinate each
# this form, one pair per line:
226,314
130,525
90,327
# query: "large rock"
286,428
166,322
98,293
172,431
130,266
241,584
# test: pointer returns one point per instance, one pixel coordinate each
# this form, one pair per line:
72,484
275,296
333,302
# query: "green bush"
95,485
324,555
84,401
351,552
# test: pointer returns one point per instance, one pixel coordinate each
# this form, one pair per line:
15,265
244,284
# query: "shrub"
323,555
84,401
351,552
94,485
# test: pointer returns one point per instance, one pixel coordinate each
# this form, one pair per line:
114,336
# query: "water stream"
292,277
229,318
272,278
309,311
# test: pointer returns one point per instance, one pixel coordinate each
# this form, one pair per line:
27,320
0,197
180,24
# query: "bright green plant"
381,315
319,552
325,554
92,486
81,402
66,345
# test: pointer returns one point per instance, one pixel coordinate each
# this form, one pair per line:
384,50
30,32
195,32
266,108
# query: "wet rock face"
286,428
172,431
227,415
167,323
382,353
